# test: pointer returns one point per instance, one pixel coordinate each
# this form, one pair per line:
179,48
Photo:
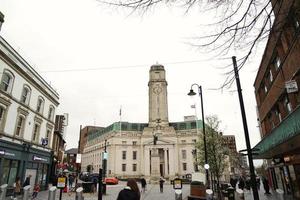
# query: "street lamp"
1,19
192,93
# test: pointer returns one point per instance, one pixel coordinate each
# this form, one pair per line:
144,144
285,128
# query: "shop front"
22,160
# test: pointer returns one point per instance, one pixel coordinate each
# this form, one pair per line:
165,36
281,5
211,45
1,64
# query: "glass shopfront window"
9,171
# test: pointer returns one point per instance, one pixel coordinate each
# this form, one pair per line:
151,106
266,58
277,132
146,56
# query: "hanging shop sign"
291,86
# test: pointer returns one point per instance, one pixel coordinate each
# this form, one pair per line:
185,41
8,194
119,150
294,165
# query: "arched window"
25,94
40,105
51,113
7,81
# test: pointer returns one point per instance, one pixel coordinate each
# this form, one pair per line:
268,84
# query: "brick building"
278,99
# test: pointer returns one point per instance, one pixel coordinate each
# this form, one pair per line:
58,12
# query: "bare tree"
240,24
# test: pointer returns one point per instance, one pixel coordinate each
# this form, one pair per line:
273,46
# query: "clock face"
157,89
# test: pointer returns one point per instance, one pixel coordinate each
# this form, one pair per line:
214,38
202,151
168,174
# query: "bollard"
241,195
230,191
280,193
79,194
52,193
178,194
3,191
209,194
26,192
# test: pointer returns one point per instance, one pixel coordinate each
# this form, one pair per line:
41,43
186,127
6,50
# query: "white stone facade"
131,149
24,94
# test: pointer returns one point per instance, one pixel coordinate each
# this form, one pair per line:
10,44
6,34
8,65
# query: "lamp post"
248,144
192,93
104,167
1,19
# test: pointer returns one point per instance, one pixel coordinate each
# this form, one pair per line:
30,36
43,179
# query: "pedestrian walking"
17,187
130,192
233,182
266,185
71,180
36,190
144,184
258,182
27,180
241,183
161,184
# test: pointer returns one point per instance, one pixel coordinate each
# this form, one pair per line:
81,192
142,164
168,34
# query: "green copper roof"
139,127
286,130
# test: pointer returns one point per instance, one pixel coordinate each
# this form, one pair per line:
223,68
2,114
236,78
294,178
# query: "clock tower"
158,102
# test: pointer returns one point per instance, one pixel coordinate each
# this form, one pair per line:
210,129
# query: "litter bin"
230,193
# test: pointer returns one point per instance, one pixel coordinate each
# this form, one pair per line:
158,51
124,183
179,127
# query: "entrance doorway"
161,170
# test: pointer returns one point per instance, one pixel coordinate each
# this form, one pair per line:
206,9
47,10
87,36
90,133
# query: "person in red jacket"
36,190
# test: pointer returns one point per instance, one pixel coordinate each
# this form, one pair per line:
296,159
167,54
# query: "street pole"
100,184
204,136
104,167
249,150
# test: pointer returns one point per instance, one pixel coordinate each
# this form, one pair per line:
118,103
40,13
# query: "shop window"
7,81
25,95
20,126
40,105
9,172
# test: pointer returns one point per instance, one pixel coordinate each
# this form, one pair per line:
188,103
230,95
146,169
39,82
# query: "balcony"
283,139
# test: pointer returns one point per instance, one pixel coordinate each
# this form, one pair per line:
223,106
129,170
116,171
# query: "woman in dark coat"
130,192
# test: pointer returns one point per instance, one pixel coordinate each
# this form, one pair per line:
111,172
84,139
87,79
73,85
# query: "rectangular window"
134,167
134,143
183,154
1,114
194,141
184,166
183,141
271,76
20,124
124,142
36,131
134,155
48,136
277,62
123,167
6,79
124,155
24,95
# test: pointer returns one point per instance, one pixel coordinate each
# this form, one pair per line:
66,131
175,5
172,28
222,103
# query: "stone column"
172,162
166,162
147,162
155,164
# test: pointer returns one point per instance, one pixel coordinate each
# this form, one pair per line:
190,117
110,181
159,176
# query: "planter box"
198,190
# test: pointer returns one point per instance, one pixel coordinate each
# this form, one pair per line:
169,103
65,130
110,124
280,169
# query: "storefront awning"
282,139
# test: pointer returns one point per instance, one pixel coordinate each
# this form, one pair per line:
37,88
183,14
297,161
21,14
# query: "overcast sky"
112,53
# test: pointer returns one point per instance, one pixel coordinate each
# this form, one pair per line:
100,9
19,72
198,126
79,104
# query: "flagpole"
120,113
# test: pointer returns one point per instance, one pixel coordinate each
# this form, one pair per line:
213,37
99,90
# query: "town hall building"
153,149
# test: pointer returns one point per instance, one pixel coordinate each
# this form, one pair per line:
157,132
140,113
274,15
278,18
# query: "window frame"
40,108
20,127
11,81
51,113
25,98
36,130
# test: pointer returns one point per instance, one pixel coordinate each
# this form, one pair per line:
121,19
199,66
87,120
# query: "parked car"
111,180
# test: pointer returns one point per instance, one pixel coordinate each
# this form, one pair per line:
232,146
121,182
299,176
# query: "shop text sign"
5,153
36,158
